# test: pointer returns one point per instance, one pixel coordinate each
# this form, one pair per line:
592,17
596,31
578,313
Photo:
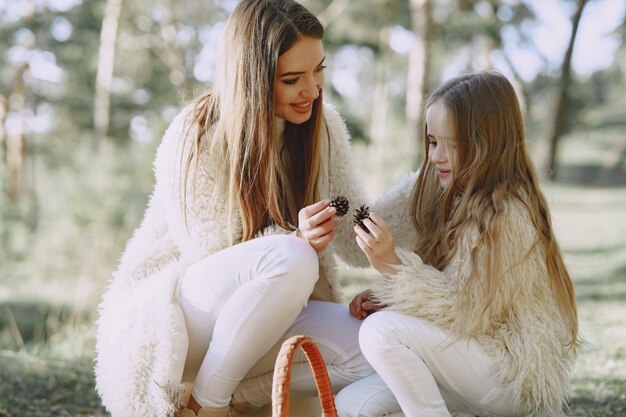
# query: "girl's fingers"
364,247
355,308
372,305
367,238
380,223
375,231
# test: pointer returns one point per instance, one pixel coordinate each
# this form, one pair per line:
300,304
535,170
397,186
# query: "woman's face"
299,78
441,141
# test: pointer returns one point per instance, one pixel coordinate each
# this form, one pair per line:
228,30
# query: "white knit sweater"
141,341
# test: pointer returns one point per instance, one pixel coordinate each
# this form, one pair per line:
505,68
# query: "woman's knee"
295,255
289,264
345,404
367,397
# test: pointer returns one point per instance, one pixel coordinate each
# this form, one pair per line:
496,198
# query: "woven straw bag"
282,377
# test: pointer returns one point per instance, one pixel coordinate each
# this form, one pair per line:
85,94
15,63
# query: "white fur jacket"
522,329
141,341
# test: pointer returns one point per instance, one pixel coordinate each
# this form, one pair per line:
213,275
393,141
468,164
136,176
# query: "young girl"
234,242
479,317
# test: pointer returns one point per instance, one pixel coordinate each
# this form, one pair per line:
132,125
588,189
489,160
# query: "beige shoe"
242,409
208,412
186,412
214,412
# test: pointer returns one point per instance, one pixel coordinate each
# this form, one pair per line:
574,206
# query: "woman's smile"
303,107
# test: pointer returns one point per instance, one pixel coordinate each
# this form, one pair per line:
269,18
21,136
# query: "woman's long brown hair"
238,117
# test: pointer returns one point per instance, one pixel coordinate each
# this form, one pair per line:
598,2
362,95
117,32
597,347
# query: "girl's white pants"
422,372
241,303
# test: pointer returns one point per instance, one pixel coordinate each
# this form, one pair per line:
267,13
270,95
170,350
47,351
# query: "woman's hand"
364,304
316,224
378,244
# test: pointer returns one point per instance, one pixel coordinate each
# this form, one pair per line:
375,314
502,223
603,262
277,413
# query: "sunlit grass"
47,330
46,351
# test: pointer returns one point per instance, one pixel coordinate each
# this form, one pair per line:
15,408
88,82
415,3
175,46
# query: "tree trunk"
378,120
418,72
16,149
562,103
169,52
106,61
332,12
4,108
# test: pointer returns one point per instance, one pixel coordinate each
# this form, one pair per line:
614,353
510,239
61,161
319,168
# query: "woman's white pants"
241,303
422,372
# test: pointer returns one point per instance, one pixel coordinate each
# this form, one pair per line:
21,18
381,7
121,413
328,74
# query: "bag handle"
282,377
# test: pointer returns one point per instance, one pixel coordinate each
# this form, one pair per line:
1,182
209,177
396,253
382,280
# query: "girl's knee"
377,326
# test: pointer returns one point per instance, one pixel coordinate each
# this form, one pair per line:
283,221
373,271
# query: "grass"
46,341
46,361
591,226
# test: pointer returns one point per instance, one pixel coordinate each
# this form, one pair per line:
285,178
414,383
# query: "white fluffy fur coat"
522,329
141,341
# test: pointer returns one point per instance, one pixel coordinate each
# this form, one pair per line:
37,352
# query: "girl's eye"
320,68
290,81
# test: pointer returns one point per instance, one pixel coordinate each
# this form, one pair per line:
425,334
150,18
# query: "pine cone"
361,214
342,205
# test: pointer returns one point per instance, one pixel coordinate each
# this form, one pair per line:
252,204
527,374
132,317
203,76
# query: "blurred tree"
16,149
3,114
104,73
418,74
164,52
560,111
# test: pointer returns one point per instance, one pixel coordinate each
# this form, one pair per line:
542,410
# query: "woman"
481,315
234,241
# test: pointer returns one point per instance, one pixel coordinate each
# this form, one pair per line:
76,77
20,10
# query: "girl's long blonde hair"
239,113
491,167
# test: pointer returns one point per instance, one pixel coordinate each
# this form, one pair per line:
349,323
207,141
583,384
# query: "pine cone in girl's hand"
341,204
361,214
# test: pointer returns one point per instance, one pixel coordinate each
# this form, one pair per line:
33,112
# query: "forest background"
87,88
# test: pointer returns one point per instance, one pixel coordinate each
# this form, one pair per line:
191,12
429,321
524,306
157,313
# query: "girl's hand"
316,224
378,244
364,304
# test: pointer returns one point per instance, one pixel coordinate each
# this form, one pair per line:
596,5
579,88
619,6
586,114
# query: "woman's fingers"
321,242
316,224
320,217
314,208
322,228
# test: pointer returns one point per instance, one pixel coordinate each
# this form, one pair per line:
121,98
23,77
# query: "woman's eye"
320,68
290,81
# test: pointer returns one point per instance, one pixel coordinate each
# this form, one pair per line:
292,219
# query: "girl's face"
299,78
441,141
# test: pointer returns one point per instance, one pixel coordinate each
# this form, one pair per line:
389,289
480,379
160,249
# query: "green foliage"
87,204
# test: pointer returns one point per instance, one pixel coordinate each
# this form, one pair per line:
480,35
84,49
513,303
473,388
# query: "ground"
47,351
